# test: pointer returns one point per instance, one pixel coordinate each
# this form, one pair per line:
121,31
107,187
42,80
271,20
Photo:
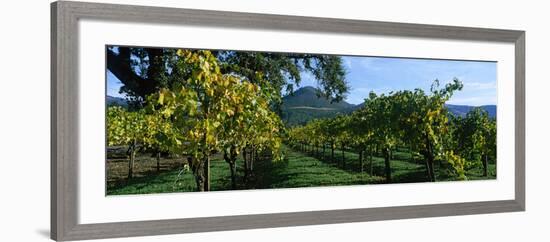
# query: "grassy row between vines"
297,170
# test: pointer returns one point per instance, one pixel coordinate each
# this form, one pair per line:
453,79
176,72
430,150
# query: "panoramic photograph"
195,120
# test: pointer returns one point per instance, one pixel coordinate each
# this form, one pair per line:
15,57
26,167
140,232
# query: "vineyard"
410,119
213,122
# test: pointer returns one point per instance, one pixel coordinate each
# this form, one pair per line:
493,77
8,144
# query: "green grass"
403,168
176,181
297,170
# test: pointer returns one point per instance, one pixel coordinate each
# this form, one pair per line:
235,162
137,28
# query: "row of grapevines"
412,119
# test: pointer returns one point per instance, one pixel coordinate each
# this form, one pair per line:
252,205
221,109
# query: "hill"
308,97
305,104
462,110
115,101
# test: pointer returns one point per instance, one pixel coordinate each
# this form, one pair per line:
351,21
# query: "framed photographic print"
168,120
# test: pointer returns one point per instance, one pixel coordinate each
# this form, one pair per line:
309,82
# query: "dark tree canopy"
144,71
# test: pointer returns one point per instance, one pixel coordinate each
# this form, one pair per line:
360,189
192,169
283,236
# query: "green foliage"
474,137
212,112
144,71
130,128
135,130
458,163
296,116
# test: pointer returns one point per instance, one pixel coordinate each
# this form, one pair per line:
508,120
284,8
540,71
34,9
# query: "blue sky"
382,75
113,85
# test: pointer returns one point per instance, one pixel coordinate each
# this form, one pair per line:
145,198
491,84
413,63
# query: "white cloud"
480,85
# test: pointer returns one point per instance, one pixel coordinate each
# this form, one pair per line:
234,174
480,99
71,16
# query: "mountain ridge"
311,97
116,101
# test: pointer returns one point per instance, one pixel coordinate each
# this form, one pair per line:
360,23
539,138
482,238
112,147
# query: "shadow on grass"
300,170
350,163
403,169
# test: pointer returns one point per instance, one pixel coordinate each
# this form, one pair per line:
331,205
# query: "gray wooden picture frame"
64,118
